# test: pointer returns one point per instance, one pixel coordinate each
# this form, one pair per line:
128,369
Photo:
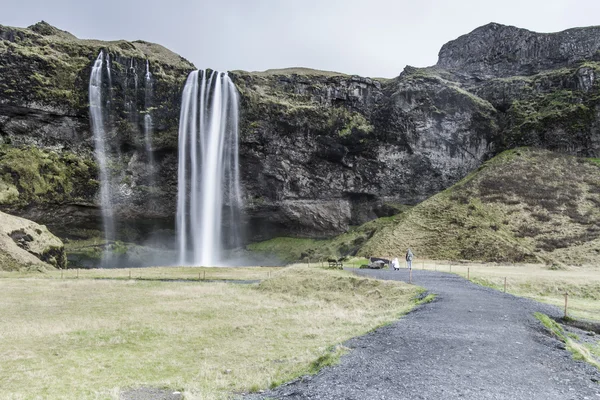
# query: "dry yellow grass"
537,282
88,339
153,273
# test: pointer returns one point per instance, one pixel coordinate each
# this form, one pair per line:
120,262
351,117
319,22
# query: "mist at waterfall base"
207,229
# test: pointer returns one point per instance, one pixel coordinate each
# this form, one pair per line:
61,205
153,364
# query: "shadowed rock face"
495,50
319,151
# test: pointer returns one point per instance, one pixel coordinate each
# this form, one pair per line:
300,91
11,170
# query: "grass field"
90,338
152,273
537,282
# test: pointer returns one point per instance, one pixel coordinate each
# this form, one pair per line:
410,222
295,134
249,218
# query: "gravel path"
472,342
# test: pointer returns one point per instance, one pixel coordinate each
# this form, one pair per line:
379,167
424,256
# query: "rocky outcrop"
319,151
495,50
25,244
322,152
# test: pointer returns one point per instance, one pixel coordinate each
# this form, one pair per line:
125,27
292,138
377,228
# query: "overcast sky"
365,37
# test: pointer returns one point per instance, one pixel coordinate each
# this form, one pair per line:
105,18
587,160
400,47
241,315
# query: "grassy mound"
522,206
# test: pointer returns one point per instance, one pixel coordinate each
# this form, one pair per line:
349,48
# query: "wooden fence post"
504,284
469,273
566,301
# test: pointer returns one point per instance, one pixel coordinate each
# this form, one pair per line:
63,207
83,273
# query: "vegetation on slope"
29,176
289,249
53,63
523,205
301,99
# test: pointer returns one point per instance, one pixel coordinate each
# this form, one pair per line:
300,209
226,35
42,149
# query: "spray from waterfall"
99,134
208,197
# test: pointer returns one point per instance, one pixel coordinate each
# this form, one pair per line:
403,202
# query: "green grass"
89,339
522,206
346,244
580,352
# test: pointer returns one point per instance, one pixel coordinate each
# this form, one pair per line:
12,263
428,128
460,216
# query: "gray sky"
365,37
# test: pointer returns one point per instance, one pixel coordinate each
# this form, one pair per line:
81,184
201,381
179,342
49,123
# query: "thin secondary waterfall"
99,135
209,199
148,121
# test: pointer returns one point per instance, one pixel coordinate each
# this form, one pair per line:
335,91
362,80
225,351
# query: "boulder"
25,244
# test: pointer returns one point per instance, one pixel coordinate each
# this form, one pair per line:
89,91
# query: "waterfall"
148,122
208,172
99,135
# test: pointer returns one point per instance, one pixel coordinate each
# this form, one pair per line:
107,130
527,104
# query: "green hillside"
524,205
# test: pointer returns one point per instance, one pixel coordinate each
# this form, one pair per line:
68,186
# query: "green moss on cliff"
555,109
42,63
562,108
30,175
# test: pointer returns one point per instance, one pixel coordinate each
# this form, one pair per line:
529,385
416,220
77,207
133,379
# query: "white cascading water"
99,135
148,120
208,173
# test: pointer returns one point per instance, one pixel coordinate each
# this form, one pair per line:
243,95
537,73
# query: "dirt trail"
472,342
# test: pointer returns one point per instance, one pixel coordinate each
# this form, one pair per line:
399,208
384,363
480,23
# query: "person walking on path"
409,258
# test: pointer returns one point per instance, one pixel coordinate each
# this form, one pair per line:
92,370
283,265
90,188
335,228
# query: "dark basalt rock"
495,50
319,151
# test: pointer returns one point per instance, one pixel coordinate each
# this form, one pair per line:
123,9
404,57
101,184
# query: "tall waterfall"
99,134
208,198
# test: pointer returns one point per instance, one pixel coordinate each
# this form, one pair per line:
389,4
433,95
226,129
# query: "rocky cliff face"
494,51
47,166
332,151
319,151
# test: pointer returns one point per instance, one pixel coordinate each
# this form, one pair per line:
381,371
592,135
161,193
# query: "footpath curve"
472,342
